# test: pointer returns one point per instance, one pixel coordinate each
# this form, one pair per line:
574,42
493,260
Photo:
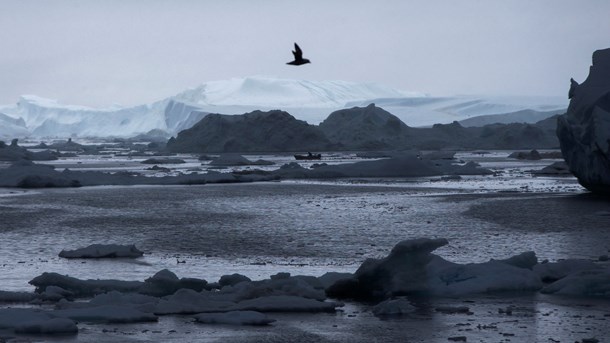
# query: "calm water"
310,228
304,228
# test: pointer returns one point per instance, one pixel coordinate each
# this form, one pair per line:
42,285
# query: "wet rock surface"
584,131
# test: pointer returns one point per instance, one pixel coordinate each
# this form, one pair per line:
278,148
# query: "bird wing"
298,53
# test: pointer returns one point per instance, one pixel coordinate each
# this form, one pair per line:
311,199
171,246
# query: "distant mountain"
355,129
252,132
523,116
306,100
420,111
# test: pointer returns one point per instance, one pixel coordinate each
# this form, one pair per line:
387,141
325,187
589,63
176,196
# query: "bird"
298,56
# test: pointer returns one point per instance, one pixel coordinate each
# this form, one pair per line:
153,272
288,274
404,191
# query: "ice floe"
410,269
34,321
234,318
393,307
103,251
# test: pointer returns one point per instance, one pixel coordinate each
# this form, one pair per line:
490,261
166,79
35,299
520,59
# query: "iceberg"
103,251
307,100
584,130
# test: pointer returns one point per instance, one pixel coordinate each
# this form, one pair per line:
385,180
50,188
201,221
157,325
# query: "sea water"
309,228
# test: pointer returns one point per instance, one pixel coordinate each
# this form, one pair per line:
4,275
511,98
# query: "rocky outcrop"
355,129
365,128
14,152
584,131
255,131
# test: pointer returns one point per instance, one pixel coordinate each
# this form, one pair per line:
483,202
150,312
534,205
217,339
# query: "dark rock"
233,279
255,131
584,131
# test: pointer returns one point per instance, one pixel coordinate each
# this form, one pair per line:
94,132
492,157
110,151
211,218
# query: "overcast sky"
131,52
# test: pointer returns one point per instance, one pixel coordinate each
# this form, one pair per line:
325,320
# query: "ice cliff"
584,131
307,100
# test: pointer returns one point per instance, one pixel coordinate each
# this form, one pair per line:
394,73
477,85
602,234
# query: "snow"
234,318
425,111
307,100
266,92
103,251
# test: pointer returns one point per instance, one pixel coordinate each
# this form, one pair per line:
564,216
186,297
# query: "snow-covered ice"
307,100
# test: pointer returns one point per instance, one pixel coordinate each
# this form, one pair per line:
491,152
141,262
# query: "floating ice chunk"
554,271
293,286
51,326
286,303
163,161
393,307
82,287
439,155
34,321
453,309
556,168
235,318
144,303
162,283
26,174
187,301
330,278
16,297
227,160
107,314
449,279
401,272
584,283
166,282
400,165
527,260
233,279
410,268
55,293
103,251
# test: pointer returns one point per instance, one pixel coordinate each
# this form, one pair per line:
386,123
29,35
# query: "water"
311,227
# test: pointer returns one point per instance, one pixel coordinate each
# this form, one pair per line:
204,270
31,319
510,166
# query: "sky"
131,52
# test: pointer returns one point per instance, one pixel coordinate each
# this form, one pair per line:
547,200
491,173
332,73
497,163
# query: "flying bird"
298,56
